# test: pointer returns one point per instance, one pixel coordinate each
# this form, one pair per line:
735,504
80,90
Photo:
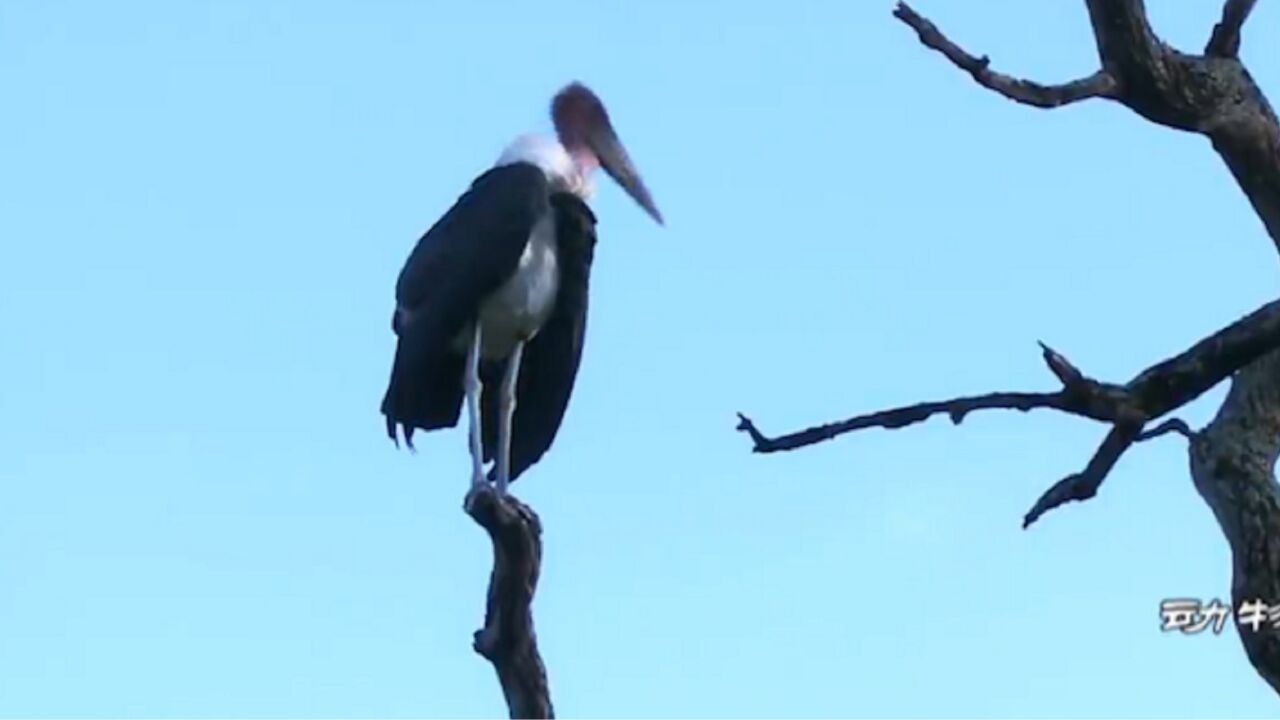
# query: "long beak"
615,161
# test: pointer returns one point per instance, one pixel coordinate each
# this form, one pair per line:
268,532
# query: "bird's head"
583,127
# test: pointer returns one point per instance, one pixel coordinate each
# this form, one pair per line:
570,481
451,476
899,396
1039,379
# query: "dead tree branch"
1225,40
507,639
1156,391
1233,458
1079,396
1027,92
1083,485
1172,425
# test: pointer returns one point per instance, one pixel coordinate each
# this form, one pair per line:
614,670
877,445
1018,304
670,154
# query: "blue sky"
203,209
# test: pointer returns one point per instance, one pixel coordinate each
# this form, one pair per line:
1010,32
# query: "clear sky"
203,208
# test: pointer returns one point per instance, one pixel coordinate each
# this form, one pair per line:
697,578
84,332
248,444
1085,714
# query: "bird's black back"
464,257
551,358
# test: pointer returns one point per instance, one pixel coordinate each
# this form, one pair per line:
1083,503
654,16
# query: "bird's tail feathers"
425,389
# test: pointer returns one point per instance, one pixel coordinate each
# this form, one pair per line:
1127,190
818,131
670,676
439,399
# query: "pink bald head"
584,129
577,113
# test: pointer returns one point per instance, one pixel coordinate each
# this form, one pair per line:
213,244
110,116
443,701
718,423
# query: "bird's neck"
570,172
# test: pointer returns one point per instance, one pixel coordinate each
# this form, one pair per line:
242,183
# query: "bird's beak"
615,161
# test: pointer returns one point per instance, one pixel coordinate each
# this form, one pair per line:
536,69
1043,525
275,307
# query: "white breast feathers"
516,310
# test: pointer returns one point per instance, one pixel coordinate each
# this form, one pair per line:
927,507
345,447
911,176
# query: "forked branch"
1156,391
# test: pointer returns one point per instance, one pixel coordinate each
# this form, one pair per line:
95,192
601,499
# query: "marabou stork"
491,305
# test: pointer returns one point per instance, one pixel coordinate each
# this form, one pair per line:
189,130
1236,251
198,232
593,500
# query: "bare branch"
1027,92
1225,40
507,639
1172,425
1084,485
956,409
1156,391
1126,44
1168,385
1062,368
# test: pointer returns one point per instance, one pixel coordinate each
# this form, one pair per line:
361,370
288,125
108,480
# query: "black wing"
551,358
464,257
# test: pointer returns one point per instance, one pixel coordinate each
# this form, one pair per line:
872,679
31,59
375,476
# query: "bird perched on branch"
491,305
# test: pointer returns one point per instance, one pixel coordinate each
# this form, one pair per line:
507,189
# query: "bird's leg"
506,412
472,388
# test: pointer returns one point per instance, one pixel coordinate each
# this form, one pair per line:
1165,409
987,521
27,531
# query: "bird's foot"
497,481
477,491
480,486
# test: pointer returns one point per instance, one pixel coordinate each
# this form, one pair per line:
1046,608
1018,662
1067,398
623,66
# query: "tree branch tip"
1084,485
1047,352
1073,488
915,20
1062,368
758,440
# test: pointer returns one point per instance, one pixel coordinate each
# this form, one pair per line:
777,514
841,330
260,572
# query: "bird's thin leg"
506,412
472,388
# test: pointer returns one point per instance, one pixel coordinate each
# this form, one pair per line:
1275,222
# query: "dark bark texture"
507,639
1232,459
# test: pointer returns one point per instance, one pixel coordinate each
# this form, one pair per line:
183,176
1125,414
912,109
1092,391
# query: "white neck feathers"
556,163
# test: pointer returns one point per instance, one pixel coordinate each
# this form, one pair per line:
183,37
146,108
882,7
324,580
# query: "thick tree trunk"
1233,458
1232,463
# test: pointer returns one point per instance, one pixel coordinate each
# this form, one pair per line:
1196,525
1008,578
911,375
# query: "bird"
491,303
